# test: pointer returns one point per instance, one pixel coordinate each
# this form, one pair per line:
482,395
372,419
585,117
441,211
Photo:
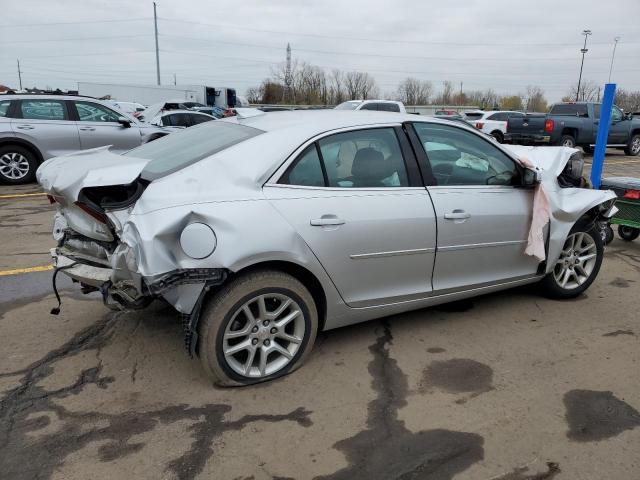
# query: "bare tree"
535,101
359,85
336,87
627,100
412,91
589,92
254,95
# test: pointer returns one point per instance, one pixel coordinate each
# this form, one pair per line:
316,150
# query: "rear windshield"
474,115
576,109
186,147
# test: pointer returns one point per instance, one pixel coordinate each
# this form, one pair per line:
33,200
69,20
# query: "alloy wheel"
635,146
568,143
263,335
577,261
14,165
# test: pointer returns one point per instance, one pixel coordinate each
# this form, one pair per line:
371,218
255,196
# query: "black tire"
628,233
498,136
608,235
219,312
552,288
633,147
24,161
567,141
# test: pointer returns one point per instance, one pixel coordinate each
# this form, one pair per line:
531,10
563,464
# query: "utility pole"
19,73
584,50
613,55
155,26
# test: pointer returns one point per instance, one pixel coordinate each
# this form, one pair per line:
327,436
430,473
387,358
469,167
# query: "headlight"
197,240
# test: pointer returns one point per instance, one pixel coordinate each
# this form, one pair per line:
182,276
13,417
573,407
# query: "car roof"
48,96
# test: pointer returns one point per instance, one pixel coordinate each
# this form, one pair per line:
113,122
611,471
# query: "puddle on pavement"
458,375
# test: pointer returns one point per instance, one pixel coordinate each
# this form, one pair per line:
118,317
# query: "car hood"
548,159
67,175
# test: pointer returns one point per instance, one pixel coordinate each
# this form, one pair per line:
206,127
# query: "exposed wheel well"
635,132
24,144
498,133
570,131
307,278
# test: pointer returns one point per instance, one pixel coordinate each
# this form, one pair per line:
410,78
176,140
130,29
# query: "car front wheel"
260,326
578,265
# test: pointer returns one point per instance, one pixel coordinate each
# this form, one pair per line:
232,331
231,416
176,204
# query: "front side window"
93,112
198,119
42,110
4,107
369,106
348,106
616,114
461,157
176,120
388,107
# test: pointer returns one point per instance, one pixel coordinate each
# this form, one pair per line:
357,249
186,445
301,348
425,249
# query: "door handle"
326,220
25,127
457,215
87,129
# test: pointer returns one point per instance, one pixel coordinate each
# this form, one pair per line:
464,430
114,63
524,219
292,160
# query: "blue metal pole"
603,134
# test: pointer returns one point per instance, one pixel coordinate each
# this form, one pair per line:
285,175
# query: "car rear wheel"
628,233
568,141
498,136
260,326
633,147
578,265
17,165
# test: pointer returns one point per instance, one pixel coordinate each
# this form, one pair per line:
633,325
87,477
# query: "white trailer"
150,94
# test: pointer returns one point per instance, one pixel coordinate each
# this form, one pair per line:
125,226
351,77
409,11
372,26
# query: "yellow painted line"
17,271
18,195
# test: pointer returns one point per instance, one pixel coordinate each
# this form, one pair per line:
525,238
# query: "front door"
620,127
350,199
483,217
98,126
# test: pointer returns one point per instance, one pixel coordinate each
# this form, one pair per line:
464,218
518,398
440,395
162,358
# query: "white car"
180,118
376,105
494,122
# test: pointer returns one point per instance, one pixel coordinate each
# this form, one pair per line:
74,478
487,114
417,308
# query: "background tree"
511,102
535,100
589,92
412,91
627,100
360,85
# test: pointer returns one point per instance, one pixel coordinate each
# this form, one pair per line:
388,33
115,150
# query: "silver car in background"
34,128
264,230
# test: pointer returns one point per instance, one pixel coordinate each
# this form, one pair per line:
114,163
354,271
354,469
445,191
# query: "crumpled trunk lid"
70,180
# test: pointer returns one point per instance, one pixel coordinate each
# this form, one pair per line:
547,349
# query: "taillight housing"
51,199
479,125
632,194
99,216
548,125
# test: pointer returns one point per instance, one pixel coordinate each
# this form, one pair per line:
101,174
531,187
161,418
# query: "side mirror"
531,178
124,121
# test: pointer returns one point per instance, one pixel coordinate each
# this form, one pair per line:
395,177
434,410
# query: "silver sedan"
264,229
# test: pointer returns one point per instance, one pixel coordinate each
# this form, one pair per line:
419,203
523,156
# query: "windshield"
180,149
348,106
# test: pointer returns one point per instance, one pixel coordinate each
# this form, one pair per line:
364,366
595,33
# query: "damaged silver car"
263,230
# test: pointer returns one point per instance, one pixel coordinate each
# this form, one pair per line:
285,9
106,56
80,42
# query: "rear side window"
500,116
4,107
306,171
577,109
43,110
198,119
176,120
186,147
388,107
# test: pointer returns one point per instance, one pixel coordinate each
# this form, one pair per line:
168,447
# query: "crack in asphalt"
25,454
386,449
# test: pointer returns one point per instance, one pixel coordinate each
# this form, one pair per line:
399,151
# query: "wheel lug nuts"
254,341
274,330
265,323
254,329
267,343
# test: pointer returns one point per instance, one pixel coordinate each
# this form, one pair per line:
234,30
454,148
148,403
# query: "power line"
379,55
80,22
74,39
370,39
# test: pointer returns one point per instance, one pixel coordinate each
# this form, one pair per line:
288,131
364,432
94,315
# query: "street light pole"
613,55
584,50
155,26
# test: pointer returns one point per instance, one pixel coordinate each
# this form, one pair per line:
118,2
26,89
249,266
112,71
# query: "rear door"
483,217
46,123
356,199
98,126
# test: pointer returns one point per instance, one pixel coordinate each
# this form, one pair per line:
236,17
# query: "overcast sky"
502,44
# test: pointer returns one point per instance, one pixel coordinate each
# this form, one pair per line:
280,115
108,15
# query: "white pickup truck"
494,122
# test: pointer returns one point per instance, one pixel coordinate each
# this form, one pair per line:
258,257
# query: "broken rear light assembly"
101,217
632,194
